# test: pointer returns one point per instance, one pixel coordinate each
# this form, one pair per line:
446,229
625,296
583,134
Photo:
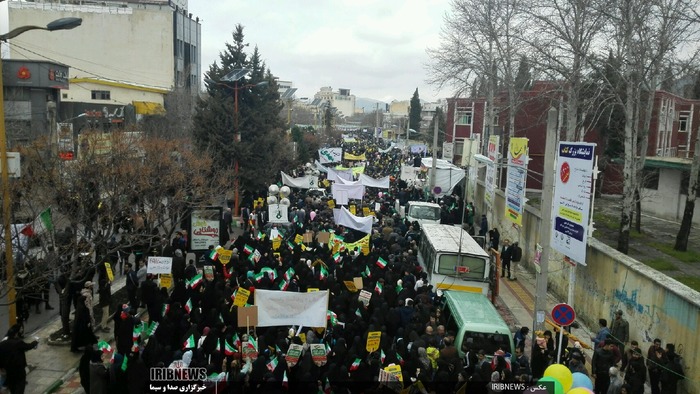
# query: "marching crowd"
195,323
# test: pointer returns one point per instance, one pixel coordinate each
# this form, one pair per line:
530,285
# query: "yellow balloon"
562,374
579,390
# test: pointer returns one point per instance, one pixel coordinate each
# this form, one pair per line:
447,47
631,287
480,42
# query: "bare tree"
687,221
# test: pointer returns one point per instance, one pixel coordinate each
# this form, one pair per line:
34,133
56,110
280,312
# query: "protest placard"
373,339
159,265
318,354
364,297
241,297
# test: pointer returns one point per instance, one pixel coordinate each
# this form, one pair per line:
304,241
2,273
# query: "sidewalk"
51,365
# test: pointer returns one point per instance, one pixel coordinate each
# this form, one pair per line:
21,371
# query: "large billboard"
572,199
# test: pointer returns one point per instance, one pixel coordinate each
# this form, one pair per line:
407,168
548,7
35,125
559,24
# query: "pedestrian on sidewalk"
620,330
13,359
105,292
506,257
84,321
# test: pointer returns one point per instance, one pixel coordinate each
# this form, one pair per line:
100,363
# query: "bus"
453,259
476,323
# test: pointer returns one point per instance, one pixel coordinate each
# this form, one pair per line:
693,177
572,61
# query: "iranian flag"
229,349
289,274
381,263
272,364
188,306
270,272
104,347
337,257
151,328
196,281
355,364
367,273
285,381
189,342
164,311
382,356
252,343
40,225
398,356
261,235
284,285
323,273
290,245
214,253
236,341
333,317
248,249
328,349
378,288
358,313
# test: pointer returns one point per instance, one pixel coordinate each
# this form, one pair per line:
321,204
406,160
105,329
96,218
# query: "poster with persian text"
205,228
572,199
516,179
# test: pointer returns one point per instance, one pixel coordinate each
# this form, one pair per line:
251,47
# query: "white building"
126,53
342,100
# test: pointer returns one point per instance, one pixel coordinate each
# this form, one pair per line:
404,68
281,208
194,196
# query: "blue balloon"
581,380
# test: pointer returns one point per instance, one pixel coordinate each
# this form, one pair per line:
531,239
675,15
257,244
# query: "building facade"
125,57
342,100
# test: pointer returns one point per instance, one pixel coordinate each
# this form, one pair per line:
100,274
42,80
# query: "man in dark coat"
506,257
13,359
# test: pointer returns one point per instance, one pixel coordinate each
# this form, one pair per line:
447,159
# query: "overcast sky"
377,49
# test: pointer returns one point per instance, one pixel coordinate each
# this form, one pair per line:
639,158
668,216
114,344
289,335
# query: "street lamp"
234,76
58,24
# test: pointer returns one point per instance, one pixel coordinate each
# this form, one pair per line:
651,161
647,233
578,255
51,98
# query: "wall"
125,44
655,305
666,201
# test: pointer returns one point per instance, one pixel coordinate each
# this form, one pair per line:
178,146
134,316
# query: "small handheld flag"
381,263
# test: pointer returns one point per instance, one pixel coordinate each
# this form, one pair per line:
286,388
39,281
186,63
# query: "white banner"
277,213
572,199
382,183
330,155
347,191
490,181
159,265
320,166
409,173
205,228
304,182
360,223
516,179
286,308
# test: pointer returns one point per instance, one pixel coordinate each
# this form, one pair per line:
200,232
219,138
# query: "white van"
423,212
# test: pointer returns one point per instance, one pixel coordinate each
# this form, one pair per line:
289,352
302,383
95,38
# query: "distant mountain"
369,104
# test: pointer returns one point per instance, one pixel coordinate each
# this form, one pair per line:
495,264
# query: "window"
64,95
650,178
464,117
100,95
683,122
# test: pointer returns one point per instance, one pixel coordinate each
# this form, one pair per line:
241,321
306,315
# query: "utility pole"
546,226
376,122
432,170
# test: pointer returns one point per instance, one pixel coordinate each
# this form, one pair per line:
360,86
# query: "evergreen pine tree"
414,116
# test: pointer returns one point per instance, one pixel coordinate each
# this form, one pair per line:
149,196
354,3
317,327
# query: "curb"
58,383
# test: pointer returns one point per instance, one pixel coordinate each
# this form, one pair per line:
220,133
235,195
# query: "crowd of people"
194,324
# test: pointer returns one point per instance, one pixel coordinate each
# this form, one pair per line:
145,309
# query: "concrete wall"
655,305
666,202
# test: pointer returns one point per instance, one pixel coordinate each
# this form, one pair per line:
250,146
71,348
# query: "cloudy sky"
377,49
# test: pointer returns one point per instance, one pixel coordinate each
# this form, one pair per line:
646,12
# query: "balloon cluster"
564,381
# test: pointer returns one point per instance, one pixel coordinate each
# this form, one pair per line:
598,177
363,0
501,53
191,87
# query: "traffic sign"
563,314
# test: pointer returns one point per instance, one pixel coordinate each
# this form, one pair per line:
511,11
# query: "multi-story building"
342,100
673,130
123,59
